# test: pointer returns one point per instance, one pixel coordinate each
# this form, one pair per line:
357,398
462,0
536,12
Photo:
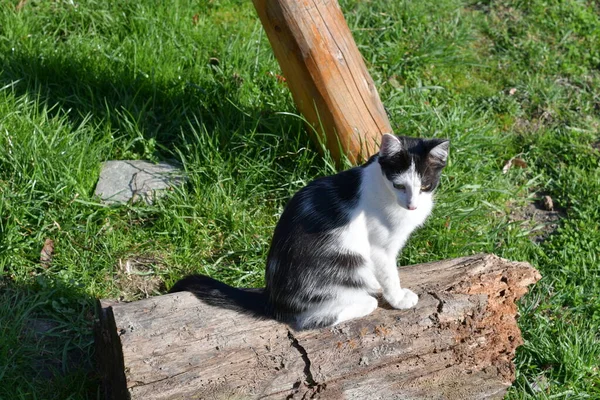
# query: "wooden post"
326,74
457,343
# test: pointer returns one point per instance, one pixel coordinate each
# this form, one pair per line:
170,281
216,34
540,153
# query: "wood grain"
458,343
326,74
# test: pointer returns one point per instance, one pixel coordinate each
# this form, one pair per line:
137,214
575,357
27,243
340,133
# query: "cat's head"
412,167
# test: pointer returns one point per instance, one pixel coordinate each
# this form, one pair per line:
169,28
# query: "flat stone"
135,180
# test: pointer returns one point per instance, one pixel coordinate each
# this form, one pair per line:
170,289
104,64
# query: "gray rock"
134,180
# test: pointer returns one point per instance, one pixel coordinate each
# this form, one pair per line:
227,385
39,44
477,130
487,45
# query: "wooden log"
458,343
326,74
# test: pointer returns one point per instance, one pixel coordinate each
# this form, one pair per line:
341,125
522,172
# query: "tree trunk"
457,343
326,74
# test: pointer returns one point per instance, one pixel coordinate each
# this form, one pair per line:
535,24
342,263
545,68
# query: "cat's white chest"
409,220
382,230
390,227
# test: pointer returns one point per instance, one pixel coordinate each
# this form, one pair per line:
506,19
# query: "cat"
336,243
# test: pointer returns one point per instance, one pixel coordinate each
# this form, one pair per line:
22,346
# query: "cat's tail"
218,294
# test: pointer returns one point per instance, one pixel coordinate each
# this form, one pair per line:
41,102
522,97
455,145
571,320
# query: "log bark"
457,343
326,74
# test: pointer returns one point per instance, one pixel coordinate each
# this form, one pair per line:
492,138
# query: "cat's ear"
390,145
439,151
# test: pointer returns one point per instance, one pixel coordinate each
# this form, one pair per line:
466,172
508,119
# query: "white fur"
348,304
379,228
388,220
390,224
353,236
409,197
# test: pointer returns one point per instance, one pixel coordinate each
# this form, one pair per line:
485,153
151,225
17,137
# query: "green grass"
83,82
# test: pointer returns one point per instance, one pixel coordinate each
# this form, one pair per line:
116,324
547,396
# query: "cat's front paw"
405,298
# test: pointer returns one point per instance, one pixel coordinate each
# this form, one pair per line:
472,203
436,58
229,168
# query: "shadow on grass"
143,109
46,328
46,337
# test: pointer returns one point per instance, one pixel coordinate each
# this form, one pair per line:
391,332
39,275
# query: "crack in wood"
310,380
440,305
314,387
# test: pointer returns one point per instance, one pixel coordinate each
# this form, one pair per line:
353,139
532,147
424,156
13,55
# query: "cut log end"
458,343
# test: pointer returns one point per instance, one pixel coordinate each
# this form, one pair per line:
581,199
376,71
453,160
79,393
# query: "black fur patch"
219,294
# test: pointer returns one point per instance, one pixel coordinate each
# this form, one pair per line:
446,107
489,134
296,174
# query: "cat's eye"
399,186
425,188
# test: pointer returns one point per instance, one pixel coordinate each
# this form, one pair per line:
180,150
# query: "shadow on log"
458,343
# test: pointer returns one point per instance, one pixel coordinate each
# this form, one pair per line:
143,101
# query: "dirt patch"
540,217
498,11
139,277
540,119
526,126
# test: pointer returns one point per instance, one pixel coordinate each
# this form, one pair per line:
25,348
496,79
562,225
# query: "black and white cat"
336,243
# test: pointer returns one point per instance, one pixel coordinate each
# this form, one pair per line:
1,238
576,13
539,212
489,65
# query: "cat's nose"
412,207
